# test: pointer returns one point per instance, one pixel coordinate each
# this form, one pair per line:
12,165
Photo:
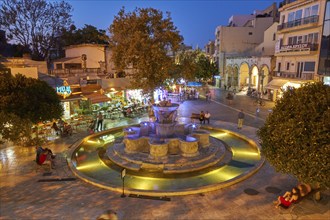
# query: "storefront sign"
294,46
64,91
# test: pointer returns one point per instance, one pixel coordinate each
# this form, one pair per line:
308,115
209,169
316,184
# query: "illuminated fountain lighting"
165,146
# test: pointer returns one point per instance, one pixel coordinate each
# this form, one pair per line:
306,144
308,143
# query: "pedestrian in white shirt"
207,117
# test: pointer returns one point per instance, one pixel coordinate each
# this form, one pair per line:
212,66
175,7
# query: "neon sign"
64,90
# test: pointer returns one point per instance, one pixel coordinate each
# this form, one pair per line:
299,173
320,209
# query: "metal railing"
72,72
298,22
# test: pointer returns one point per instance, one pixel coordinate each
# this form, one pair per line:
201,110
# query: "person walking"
207,117
241,116
99,122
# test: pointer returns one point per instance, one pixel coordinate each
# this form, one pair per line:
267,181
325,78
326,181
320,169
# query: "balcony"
75,72
298,49
299,22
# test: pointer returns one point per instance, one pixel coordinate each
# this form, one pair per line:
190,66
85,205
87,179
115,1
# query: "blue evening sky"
195,19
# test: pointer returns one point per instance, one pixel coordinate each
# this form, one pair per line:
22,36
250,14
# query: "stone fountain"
164,145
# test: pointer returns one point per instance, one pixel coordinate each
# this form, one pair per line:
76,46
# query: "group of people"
294,195
63,128
204,116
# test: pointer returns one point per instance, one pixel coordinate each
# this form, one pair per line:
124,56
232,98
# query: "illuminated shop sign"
64,90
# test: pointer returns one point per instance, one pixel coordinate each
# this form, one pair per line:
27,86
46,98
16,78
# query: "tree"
205,68
186,64
88,34
295,138
194,65
143,40
35,23
23,102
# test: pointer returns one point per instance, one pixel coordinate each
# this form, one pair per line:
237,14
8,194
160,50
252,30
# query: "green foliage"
296,136
194,66
142,40
35,23
88,34
206,69
24,102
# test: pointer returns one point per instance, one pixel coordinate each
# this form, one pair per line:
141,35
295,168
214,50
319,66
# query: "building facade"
235,40
324,59
299,36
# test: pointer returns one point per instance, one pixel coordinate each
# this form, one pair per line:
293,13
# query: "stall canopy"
95,98
276,84
197,84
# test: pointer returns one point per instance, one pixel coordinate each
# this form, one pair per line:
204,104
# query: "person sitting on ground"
288,198
45,154
304,189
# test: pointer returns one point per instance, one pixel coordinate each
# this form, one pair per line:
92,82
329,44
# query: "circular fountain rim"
189,191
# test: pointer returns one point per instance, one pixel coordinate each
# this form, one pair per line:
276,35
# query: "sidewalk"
30,193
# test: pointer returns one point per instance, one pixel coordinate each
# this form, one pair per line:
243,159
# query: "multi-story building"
241,37
324,59
253,72
298,47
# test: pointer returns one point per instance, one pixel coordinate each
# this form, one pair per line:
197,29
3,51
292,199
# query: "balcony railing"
73,72
299,47
298,22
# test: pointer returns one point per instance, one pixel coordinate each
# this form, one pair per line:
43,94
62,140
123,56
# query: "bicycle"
259,102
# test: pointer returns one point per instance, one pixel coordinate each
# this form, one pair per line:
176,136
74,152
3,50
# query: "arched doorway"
254,81
243,75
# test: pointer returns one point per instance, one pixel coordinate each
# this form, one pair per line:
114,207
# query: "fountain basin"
189,146
158,149
203,137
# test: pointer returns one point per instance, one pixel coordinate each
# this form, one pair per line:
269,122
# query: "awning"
276,84
197,84
91,88
97,98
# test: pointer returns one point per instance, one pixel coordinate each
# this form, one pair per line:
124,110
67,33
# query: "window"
315,38
291,17
315,10
294,40
307,12
305,39
299,39
298,14
288,66
309,66
250,33
274,36
279,67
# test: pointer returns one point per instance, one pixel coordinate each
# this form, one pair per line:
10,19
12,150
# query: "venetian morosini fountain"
165,146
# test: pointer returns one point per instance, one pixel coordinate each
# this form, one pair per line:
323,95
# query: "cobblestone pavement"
28,191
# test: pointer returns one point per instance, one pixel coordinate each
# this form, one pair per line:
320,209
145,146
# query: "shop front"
276,87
